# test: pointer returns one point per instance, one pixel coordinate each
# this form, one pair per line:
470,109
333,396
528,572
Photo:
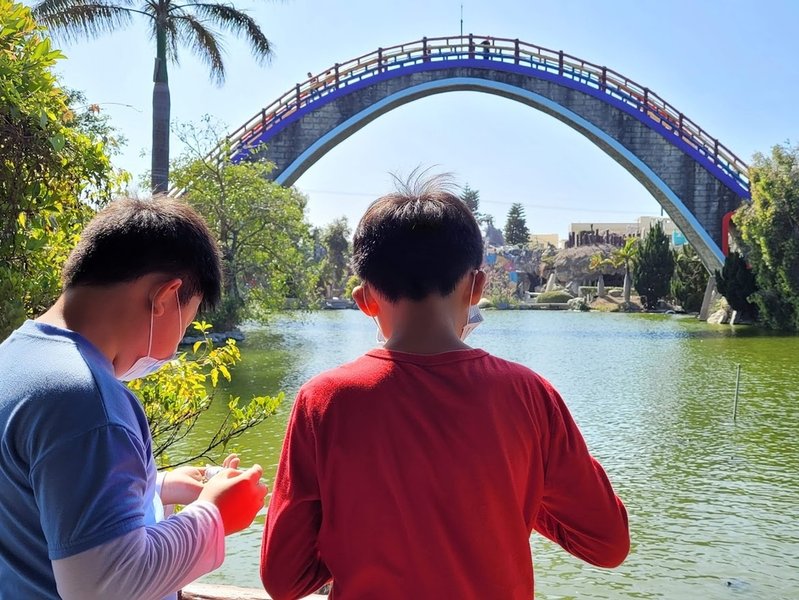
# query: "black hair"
131,238
417,241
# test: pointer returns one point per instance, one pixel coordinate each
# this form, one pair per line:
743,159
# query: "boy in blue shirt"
81,504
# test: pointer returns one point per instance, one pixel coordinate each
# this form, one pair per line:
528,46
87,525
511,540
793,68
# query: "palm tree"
625,256
173,23
620,257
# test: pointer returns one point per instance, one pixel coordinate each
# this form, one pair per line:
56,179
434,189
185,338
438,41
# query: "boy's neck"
95,313
425,327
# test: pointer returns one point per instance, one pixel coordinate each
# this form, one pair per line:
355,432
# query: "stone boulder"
720,317
572,264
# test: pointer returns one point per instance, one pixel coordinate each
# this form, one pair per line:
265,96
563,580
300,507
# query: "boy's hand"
184,484
238,495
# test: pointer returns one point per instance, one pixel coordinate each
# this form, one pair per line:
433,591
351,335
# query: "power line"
553,207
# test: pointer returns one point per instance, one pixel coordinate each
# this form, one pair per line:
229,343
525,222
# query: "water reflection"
713,504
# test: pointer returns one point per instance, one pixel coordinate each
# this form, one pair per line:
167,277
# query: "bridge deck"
449,51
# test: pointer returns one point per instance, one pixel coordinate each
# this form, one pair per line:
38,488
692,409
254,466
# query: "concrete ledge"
207,591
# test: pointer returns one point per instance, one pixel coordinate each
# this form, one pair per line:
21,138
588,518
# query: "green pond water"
713,504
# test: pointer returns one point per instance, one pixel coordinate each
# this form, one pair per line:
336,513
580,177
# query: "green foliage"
176,396
90,120
499,289
601,263
653,267
553,297
516,231
471,198
53,169
690,279
353,282
335,266
266,244
736,282
769,230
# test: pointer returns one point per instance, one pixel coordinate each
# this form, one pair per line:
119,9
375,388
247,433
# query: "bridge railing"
503,50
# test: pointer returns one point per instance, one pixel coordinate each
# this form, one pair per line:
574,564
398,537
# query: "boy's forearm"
290,563
147,563
605,544
579,510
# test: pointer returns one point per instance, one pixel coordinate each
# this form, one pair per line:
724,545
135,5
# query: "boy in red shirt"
421,469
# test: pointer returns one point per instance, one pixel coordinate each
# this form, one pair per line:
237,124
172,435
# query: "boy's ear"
365,301
164,294
479,286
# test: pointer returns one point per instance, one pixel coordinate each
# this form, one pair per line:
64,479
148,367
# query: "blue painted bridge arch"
694,177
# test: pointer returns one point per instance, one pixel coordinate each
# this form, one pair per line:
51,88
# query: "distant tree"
690,279
621,257
653,267
736,282
267,250
769,231
516,231
471,198
353,281
336,263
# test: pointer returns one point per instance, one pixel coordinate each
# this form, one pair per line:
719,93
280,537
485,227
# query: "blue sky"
731,66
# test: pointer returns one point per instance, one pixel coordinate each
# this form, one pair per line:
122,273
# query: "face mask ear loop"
152,316
377,323
474,280
180,318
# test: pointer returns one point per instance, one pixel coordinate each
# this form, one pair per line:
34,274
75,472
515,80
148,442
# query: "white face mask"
473,319
381,339
147,365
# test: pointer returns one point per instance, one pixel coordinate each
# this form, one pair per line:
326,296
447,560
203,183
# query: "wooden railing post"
604,78
516,51
379,60
424,49
679,125
560,62
646,99
297,91
471,46
715,151
336,74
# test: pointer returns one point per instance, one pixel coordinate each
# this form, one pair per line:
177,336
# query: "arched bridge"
695,178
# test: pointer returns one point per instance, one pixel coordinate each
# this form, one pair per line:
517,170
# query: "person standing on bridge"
421,469
486,44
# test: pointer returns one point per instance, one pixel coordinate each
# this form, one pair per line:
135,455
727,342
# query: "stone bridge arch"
694,177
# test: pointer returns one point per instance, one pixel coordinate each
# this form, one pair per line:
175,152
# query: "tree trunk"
159,169
627,287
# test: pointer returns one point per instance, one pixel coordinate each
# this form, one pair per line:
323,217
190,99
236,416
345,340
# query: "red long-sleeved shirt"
423,476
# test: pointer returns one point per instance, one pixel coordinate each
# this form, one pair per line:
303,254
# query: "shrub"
736,282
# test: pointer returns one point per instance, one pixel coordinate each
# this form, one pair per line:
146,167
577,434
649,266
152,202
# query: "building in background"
545,239
616,234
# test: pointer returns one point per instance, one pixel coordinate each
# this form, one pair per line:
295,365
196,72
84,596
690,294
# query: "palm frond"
76,19
203,41
173,38
229,18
